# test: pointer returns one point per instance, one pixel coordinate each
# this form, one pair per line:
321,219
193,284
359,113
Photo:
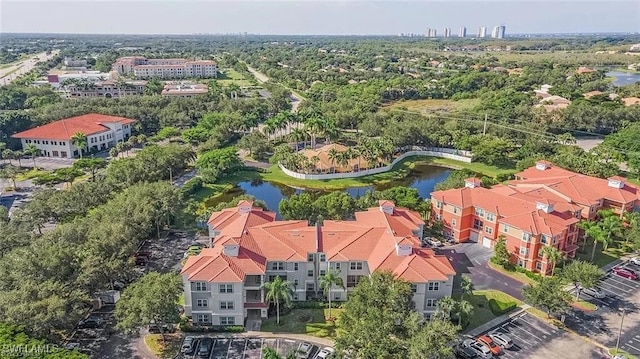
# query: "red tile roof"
373,237
88,124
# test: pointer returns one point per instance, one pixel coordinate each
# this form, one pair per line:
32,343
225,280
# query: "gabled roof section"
64,129
539,222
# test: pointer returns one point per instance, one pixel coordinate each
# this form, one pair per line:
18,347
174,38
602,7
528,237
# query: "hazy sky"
315,17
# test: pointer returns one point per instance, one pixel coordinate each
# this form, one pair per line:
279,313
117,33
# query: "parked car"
92,321
166,328
204,350
481,350
626,273
635,260
325,353
594,292
489,343
501,339
304,350
434,242
189,345
462,352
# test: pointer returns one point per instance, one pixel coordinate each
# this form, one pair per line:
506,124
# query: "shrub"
188,327
315,305
499,307
192,186
504,177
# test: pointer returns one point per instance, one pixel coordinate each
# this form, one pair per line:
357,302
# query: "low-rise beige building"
185,90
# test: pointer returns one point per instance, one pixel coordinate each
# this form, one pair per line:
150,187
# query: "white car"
501,339
324,353
303,350
434,242
594,292
635,260
481,350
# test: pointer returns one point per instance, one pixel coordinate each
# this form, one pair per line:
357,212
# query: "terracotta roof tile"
88,124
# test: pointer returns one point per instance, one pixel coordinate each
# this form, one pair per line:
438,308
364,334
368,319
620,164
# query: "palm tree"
553,255
592,229
8,154
327,282
466,285
113,152
464,308
611,224
18,156
32,151
445,306
79,140
279,291
334,156
314,160
270,353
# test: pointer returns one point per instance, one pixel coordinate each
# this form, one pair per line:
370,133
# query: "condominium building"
498,32
54,139
107,89
542,207
462,32
223,284
432,32
447,32
185,90
482,32
141,67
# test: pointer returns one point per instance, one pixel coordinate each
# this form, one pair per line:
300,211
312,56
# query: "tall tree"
92,165
328,281
592,229
464,308
432,340
582,275
279,292
553,255
501,255
379,318
547,293
10,172
79,140
466,286
445,306
32,151
152,299
611,225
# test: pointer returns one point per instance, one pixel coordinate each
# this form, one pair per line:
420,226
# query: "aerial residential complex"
249,247
497,33
54,139
541,207
108,89
144,68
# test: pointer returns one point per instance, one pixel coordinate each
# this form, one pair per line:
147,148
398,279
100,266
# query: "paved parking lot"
533,338
249,348
603,324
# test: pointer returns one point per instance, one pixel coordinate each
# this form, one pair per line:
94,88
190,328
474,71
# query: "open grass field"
433,106
521,277
487,305
304,321
230,76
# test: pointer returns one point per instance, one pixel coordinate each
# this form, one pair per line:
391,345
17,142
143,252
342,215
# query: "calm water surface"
623,78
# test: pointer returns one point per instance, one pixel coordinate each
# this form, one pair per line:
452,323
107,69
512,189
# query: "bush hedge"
315,305
192,186
188,327
499,307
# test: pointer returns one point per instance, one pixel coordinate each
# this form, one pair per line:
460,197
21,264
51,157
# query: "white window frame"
526,236
356,266
323,257
453,222
227,320
226,288
433,286
490,217
438,205
524,251
431,303
295,266
505,228
227,305
202,303
488,230
479,212
201,287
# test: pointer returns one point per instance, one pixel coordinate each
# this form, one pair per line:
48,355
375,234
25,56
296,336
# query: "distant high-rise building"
498,32
462,32
432,32
447,32
482,32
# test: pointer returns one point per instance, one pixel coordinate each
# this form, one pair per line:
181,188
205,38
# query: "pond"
422,177
624,78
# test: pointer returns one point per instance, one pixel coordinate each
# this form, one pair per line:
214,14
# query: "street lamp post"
620,330
170,175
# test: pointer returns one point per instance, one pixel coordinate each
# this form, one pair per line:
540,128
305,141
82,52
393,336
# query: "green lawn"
167,350
30,174
487,170
210,191
229,76
487,305
521,277
601,258
304,321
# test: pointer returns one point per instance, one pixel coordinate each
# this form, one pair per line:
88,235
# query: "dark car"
462,352
91,321
204,350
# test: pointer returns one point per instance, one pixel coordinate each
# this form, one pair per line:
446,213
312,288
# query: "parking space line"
623,281
261,347
631,346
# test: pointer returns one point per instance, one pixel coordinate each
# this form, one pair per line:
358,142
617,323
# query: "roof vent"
231,250
295,234
543,165
472,182
404,250
545,206
616,182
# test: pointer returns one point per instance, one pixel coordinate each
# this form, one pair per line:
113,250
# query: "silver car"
501,339
481,350
594,292
303,350
325,353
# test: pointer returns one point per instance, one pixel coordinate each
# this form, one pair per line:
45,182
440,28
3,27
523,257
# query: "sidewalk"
304,337
497,321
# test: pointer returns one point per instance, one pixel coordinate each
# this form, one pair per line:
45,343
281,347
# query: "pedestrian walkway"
497,321
303,337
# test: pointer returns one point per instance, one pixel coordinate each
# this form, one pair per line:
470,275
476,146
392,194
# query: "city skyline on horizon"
303,17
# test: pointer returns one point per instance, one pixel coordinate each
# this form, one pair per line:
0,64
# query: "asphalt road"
296,99
8,74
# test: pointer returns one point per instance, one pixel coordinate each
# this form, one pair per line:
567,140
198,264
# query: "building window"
323,272
310,273
540,253
539,265
54,153
524,251
352,280
477,224
505,228
201,286
433,286
227,320
438,217
202,303
438,204
295,266
310,257
431,303
276,265
479,212
453,222
226,305
414,288
544,239
323,257
336,266
526,237
272,278
311,287
355,265
296,282
203,318
490,217
488,230
455,210
226,288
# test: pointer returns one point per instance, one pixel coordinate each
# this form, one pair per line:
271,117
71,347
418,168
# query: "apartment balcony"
253,281
254,296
